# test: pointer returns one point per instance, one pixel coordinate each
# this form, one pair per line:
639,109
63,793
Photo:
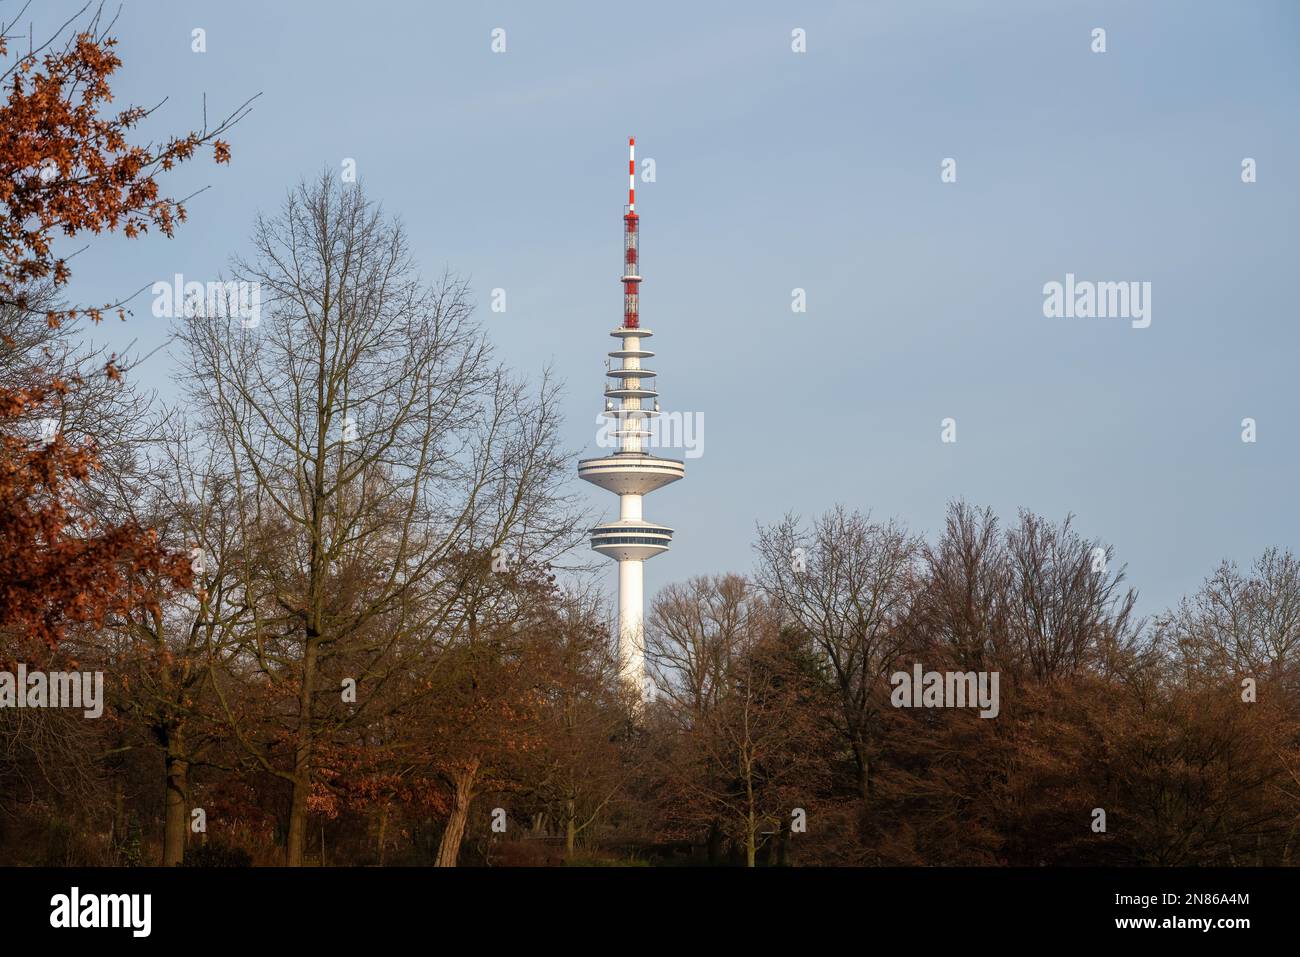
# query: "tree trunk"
570,827
119,810
864,785
864,778
297,841
176,810
751,826
383,831
715,843
449,846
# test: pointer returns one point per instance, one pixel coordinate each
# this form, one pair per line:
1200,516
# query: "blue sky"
777,170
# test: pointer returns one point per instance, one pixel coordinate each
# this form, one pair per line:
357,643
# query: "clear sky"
820,170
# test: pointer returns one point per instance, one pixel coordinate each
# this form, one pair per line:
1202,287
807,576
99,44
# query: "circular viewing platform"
630,473
632,540
625,414
624,332
630,393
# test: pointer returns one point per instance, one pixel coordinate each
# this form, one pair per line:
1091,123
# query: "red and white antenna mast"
631,243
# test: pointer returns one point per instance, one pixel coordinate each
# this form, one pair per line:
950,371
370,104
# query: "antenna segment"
631,244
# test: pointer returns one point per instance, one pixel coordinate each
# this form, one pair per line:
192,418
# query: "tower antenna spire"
631,174
631,245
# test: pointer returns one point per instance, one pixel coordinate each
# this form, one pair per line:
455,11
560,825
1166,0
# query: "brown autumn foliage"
742,757
67,168
58,563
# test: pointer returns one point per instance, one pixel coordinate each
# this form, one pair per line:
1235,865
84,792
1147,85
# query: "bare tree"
371,441
1241,623
844,582
1069,608
747,733
163,655
695,629
581,768
963,604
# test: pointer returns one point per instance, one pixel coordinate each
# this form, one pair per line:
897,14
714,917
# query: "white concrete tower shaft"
631,472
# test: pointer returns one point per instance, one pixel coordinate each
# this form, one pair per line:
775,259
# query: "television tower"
631,472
